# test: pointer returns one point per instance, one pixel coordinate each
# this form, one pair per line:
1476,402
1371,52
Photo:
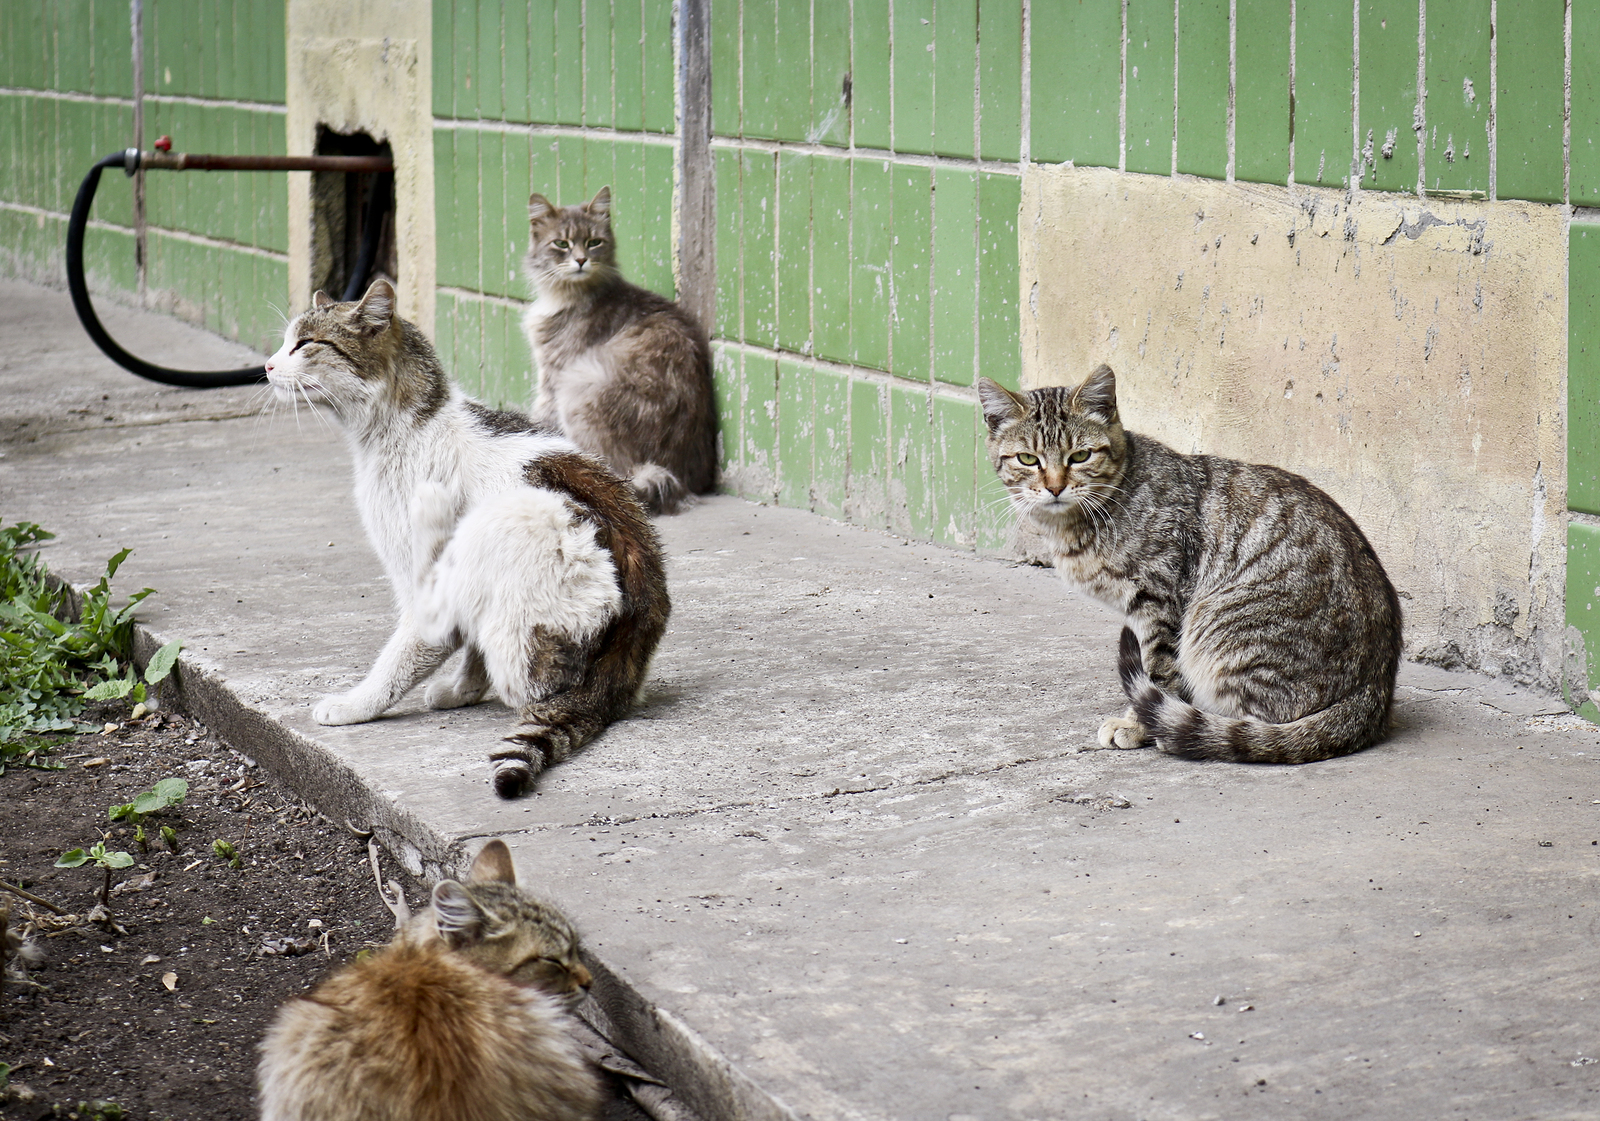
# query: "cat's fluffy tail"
659,491
1355,722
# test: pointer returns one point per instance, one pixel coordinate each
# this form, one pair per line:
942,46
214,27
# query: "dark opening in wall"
340,202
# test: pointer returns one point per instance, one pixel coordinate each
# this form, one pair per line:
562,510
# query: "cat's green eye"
1027,459
1078,456
596,242
561,243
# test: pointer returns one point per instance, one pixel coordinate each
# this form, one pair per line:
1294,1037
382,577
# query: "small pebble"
1219,1001
1416,934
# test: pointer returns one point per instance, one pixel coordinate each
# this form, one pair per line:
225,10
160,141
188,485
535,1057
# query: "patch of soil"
98,1022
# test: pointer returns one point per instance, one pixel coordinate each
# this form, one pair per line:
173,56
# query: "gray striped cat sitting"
1261,627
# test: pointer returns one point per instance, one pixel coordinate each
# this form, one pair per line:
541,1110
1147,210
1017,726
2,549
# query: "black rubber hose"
377,207
188,379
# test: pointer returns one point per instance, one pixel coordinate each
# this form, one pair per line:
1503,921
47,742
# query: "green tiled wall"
1583,449
214,82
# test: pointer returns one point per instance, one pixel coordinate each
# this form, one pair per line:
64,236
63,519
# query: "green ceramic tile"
274,47
493,230
794,252
792,78
999,316
1583,594
796,427
1324,85
730,242
515,69
911,249
913,66
69,24
871,234
1457,141
458,252
830,74
867,501
1202,99
507,381
491,63
444,71
567,61
831,263
570,178
1000,80
464,59
599,164
1530,77
518,185
1585,107
1583,368
627,65
759,110
1389,94
468,332
597,62
544,174
726,387
726,35
759,202
759,428
955,275
109,261
542,64
444,330
1150,86
830,444
655,251
869,73
955,65
951,478
659,77
909,454
1261,96
628,207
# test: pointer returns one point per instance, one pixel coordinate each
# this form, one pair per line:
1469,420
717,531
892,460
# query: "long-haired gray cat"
1261,627
497,535
624,373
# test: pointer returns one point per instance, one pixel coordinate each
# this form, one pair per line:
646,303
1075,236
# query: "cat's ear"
493,865
376,309
1096,398
1000,406
320,299
456,915
539,209
600,205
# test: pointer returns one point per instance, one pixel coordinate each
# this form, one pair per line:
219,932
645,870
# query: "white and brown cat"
497,534
624,373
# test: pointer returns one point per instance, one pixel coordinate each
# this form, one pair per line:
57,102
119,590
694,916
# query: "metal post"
697,205
139,255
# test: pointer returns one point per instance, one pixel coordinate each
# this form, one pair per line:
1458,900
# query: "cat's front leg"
404,661
466,687
1158,647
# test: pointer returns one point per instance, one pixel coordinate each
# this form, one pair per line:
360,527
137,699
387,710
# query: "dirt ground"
158,1008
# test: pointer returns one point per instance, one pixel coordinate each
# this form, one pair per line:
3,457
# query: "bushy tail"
1357,721
659,491
548,732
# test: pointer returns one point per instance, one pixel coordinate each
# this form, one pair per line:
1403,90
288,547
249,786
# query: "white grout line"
1358,168
158,98
917,159
1494,94
466,124
1025,152
1294,30
1177,19
1419,114
177,235
1566,109
510,303
1122,97
844,369
1233,80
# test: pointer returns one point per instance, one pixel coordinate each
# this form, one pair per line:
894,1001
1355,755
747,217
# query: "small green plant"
110,861
227,852
50,665
163,795
169,837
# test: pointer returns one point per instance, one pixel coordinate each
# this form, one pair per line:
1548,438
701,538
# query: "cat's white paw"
450,694
1122,733
341,708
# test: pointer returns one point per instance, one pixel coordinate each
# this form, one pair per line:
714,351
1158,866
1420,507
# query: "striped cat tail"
1355,722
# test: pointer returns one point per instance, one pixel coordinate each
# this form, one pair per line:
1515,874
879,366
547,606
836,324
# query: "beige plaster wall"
366,65
1408,356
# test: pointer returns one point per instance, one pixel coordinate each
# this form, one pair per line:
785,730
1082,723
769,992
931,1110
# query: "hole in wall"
340,202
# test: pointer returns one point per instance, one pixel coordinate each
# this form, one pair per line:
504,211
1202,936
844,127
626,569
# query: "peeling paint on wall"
1408,356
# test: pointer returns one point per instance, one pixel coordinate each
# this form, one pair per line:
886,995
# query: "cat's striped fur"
463,1015
497,535
1261,626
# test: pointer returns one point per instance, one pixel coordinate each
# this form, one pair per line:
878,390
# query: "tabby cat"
463,1016
1261,627
497,535
623,372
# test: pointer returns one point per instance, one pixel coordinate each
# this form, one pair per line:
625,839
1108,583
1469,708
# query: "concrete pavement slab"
849,859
